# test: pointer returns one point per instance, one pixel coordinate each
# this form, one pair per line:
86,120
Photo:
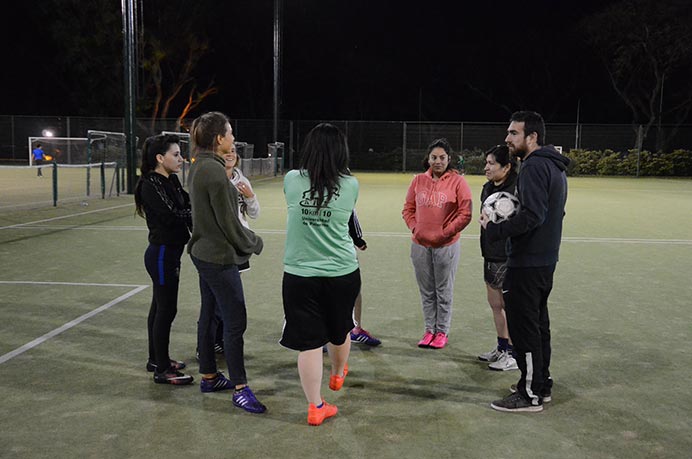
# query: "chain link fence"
374,145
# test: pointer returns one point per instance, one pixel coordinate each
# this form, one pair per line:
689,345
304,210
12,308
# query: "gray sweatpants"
435,270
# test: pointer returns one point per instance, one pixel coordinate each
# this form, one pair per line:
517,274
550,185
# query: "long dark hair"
438,143
325,158
205,129
156,145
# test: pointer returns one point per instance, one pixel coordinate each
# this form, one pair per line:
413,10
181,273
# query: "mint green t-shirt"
317,241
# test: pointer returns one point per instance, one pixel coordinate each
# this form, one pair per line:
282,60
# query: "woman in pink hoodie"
438,206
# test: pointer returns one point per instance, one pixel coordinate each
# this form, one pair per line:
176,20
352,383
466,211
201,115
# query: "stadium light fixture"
47,133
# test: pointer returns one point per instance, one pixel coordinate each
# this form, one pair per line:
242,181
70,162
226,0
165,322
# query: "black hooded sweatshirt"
534,234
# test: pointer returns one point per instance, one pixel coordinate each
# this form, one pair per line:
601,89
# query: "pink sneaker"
427,339
439,341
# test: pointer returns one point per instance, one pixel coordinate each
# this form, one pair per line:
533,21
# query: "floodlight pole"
129,25
277,67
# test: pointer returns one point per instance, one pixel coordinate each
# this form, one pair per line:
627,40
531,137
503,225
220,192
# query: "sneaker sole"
180,366
525,409
251,410
502,369
175,382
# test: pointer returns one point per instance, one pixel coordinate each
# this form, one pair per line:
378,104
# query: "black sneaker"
516,403
172,376
546,394
176,364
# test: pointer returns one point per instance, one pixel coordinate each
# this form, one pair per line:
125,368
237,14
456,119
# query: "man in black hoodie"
533,244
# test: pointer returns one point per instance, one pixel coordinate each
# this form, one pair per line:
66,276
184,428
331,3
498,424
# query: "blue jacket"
535,232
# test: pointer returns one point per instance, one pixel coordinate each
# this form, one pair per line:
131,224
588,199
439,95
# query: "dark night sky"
360,59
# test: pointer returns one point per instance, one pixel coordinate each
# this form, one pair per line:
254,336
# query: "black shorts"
494,273
318,310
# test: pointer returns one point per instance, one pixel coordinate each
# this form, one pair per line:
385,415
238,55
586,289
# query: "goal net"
63,150
106,147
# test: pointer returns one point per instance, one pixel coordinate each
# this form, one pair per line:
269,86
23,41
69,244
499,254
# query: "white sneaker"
505,363
491,356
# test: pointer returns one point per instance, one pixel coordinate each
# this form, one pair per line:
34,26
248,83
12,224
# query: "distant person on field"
39,156
160,198
532,254
321,276
219,244
500,170
438,206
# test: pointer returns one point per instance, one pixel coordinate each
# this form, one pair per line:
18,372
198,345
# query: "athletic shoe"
175,364
491,356
218,347
516,403
336,381
439,341
317,415
546,394
427,339
245,399
172,376
216,384
505,363
360,335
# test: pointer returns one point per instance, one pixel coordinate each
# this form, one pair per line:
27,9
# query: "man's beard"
517,153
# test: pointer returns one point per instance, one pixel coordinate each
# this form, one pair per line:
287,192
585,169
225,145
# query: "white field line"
569,239
20,225
32,344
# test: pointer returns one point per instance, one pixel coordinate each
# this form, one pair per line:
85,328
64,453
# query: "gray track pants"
435,270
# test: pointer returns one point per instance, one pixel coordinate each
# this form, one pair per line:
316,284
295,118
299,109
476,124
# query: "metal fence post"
55,184
290,147
103,180
640,141
403,151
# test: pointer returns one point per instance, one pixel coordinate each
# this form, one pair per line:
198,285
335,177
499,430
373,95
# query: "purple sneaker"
360,335
245,399
216,384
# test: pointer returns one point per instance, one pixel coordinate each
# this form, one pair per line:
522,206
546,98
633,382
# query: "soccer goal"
63,150
106,147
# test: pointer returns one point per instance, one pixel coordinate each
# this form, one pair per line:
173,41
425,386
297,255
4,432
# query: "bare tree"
646,48
169,71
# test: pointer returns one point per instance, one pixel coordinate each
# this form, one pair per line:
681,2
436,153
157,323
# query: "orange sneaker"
336,381
317,415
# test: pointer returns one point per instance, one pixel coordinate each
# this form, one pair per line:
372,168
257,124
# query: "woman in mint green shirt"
321,276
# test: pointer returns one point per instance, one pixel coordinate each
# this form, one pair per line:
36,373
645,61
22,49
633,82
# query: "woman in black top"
160,198
500,170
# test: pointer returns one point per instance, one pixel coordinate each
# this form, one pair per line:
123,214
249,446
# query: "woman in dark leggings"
160,198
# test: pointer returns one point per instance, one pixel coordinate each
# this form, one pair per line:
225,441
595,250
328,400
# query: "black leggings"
163,265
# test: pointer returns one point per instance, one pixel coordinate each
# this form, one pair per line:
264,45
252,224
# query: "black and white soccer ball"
501,206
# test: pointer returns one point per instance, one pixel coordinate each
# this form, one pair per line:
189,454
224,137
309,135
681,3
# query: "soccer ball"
501,206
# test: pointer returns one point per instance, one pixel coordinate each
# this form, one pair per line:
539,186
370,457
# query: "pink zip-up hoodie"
437,211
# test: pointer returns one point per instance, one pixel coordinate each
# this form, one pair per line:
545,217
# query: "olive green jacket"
217,234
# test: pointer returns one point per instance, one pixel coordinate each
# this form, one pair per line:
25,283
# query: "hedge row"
677,163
